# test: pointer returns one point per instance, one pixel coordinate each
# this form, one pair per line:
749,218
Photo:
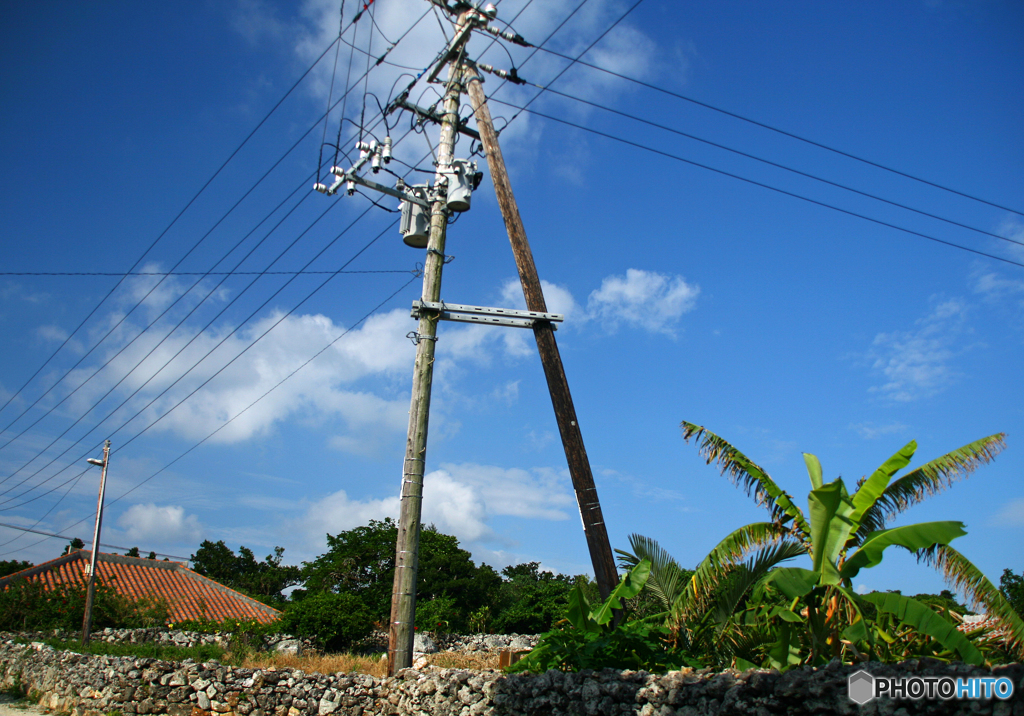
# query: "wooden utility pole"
568,426
403,597
90,589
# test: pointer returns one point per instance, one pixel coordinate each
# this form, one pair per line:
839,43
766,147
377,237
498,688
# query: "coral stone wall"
103,685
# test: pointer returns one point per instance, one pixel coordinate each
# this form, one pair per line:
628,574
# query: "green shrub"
28,605
336,621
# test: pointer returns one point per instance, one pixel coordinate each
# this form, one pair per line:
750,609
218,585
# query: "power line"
757,183
193,273
218,371
123,403
230,420
75,479
102,544
223,217
168,228
785,133
769,162
166,336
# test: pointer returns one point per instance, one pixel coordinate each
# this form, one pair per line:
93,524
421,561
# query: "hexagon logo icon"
861,687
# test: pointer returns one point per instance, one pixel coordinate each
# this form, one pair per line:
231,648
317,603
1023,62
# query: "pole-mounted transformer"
462,180
415,223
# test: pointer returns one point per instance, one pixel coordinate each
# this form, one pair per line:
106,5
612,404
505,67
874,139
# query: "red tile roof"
190,595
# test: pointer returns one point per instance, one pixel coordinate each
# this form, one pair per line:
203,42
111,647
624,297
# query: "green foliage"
336,621
264,581
1012,587
589,638
10,566
843,534
26,605
361,562
133,552
435,615
530,601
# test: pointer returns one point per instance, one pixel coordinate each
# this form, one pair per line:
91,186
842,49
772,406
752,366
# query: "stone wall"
172,637
98,686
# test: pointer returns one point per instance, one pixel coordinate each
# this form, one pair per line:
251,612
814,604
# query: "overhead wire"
791,135
102,544
168,227
186,273
757,183
180,377
233,418
74,480
186,397
180,350
778,165
140,302
125,315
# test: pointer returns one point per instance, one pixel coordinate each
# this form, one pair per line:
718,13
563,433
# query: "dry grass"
374,666
320,663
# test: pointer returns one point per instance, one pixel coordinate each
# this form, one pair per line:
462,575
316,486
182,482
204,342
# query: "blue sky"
782,325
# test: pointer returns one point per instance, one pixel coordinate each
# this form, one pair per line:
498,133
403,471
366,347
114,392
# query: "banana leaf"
923,619
913,537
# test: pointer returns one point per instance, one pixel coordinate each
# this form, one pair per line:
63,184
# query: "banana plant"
591,638
843,533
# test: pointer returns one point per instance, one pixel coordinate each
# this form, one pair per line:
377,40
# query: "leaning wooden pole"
401,633
565,413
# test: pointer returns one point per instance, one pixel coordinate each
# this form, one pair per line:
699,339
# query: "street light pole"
90,590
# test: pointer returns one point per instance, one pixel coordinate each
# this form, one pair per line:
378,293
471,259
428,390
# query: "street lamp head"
94,461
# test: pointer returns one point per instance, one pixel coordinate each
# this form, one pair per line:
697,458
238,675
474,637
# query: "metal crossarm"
484,315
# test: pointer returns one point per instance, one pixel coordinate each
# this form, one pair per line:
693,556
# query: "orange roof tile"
189,594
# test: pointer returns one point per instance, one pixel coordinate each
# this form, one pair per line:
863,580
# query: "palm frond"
724,557
967,579
745,473
929,479
666,578
747,574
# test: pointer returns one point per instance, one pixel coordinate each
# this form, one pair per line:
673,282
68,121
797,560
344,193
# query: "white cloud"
870,431
1011,514
165,524
918,363
626,49
377,348
558,299
644,299
459,499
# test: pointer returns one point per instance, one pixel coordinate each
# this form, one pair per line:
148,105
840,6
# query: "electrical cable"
77,478
575,60
214,375
8,490
225,366
179,298
330,91
123,348
760,184
781,166
234,417
168,227
141,301
785,133
102,544
186,273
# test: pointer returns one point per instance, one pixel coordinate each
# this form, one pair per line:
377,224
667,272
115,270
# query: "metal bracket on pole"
432,116
484,315
351,176
453,46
